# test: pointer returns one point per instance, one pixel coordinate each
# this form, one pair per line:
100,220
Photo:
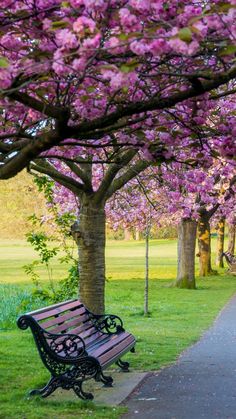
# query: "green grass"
177,319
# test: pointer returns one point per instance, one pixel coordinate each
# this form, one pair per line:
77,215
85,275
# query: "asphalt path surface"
202,383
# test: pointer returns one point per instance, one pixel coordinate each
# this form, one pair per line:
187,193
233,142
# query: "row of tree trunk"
188,231
91,245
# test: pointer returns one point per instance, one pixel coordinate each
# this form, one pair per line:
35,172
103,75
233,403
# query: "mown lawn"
177,319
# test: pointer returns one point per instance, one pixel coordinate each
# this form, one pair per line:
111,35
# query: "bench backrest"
68,317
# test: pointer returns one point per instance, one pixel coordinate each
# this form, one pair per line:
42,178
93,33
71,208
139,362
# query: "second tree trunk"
220,242
186,254
204,243
231,242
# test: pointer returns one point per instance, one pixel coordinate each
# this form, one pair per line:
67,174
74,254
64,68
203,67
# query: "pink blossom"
66,38
139,47
83,23
158,46
127,19
5,78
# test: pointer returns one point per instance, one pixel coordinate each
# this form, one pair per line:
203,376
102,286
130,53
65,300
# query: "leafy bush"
44,244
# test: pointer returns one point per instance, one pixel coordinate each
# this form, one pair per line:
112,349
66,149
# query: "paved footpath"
202,384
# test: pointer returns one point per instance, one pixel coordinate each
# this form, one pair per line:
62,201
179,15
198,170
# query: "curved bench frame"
71,357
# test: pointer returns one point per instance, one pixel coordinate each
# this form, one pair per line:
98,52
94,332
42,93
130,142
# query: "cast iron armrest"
65,347
107,323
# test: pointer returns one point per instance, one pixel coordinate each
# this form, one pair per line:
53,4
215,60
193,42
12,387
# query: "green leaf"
185,34
60,24
4,63
123,37
91,89
127,68
228,50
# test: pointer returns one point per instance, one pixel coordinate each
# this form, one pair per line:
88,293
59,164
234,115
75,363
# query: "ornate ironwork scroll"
107,323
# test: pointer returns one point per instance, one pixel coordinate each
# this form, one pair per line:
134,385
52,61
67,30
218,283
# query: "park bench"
231,262
76,345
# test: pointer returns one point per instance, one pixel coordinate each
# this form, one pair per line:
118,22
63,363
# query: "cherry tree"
118,82
80,71
198,195
140,204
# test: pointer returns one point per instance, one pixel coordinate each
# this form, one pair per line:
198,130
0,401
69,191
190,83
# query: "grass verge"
177,319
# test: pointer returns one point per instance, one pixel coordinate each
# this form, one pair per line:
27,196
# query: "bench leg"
50,387
124,366
106,380
80,393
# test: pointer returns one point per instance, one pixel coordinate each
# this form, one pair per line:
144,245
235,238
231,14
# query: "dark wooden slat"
106,362
55,311
96,339
88,333
67,325
63,317
43,309
113,341
82,327
117,351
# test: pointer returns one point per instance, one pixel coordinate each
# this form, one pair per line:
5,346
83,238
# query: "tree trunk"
91,246
204,244
231,241
127,234
187,231
137,234
220,242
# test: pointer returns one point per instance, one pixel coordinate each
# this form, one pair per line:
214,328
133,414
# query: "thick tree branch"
119,163
223,94
32,103
132,172
228,195
94,128
155,103
44,167
81,174
31,151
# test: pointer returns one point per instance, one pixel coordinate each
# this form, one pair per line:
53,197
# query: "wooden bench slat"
62,318
43,309
66,326
88,333
116,351
55,311
81,328
97,339
114,340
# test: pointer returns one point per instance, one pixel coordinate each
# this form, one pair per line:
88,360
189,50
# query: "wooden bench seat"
76,345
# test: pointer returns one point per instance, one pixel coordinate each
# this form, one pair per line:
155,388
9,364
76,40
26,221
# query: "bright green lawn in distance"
177,319
124,260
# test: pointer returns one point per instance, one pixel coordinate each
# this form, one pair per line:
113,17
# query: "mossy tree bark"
91,245
187,230
231,240
220,242
204,244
